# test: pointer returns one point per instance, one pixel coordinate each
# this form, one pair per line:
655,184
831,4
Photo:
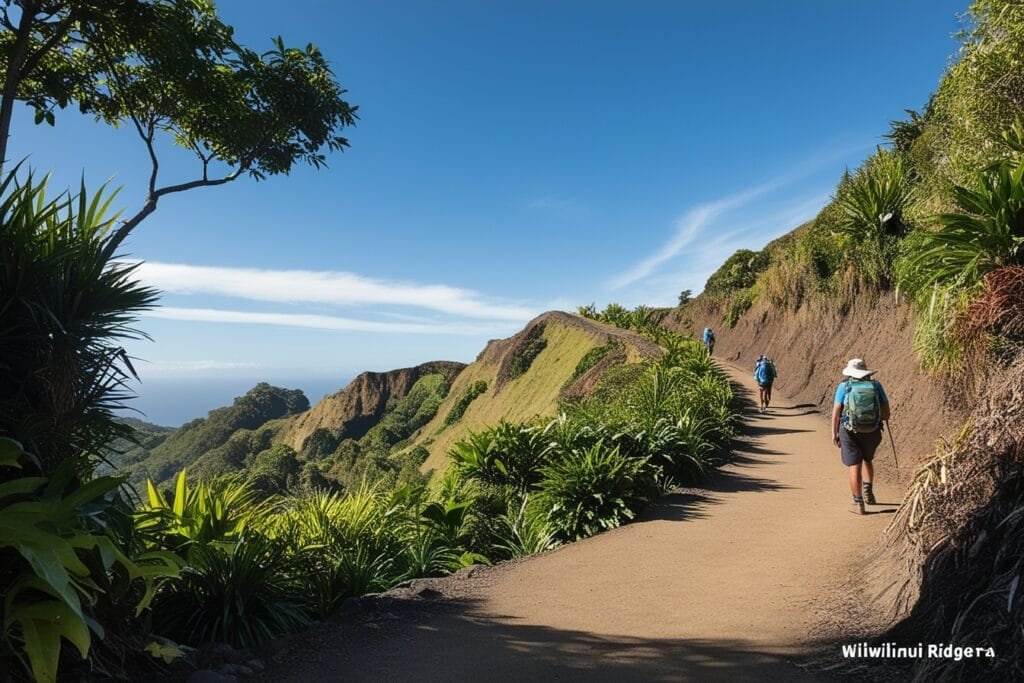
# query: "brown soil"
728,582
810,347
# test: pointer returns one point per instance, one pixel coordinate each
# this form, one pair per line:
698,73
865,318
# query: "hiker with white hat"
860,408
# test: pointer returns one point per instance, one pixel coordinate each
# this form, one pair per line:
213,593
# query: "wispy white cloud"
703,223
326,322
177,367
324,287
705,256
687,228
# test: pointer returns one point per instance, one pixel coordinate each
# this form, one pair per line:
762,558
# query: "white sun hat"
856,367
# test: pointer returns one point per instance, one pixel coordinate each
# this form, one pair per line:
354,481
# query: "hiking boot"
858,505
869,494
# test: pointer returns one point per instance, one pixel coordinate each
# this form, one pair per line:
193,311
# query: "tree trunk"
13,77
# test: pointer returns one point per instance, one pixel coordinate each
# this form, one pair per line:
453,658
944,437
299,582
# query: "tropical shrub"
873,201
738,272
54,557
243,594
337,546
986,234
874,198
507,454
585,492
64,304
213,511
523,531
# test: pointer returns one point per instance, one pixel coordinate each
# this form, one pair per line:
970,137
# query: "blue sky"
511,157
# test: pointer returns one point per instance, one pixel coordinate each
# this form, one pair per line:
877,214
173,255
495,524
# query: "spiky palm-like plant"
874,199
203,513
523,532
64,306
243,594
987,234
586,492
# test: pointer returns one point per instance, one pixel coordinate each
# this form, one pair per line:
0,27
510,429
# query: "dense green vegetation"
220,443
591,358
646,428
642,319
738,272
243,439
468,396
528,348
66,550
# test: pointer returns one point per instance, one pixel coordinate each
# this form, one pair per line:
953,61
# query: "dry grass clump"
964,514
785,284
1000,308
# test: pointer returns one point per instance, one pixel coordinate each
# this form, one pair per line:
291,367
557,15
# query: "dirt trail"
726,582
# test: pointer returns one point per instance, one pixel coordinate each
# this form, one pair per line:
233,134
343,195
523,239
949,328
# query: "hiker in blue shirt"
709,339
858,412
764,375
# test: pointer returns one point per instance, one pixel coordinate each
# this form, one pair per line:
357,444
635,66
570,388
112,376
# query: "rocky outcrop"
351,412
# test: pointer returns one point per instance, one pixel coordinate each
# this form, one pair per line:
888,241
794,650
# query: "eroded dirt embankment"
811,345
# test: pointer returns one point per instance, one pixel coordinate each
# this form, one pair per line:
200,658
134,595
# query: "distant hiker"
860,408
709,339
764,375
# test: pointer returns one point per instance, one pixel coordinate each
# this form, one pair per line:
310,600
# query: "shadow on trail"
736,482
768,431
412,639
680,505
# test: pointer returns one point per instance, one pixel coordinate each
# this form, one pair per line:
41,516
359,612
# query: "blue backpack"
764,372
862,407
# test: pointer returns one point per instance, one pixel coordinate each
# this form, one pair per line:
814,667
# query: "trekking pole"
893,442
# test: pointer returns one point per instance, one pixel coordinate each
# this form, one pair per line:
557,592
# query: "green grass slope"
526,375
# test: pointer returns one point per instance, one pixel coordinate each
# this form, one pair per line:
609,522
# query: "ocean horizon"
173,401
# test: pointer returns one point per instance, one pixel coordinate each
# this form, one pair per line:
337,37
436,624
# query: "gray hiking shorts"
855,447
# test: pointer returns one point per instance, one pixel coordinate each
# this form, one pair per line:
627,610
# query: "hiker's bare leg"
869,471
767,396
855,480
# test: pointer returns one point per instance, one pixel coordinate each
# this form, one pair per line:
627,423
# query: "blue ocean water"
171,402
